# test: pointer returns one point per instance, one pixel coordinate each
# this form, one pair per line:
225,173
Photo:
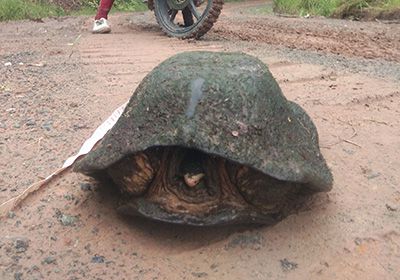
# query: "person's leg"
104,9
101,24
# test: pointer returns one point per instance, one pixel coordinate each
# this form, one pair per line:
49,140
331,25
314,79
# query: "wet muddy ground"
58,82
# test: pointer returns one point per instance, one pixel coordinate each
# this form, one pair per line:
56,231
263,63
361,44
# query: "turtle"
208,138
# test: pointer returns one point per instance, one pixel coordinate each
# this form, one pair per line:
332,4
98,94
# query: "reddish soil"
63,82
366,40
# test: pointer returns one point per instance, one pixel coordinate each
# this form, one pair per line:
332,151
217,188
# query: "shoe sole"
103,30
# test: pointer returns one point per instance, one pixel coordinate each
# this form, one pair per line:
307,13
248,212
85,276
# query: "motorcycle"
186,19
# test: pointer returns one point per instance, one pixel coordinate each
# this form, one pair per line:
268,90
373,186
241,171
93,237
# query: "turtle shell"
224,104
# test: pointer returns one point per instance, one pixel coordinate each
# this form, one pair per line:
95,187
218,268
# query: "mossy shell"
226,104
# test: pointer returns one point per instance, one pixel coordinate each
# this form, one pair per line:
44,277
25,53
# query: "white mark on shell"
196,95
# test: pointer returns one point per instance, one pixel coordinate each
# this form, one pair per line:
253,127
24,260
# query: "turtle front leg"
132,174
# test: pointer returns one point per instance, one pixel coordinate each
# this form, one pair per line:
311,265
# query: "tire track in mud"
368,40
123,58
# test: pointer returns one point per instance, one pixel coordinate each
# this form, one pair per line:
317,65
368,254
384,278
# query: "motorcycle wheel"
187,18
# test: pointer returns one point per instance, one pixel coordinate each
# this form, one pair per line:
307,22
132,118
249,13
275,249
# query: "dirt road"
58,82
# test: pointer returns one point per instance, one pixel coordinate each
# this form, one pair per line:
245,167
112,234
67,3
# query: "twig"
73,44
351,142
375,121
76,39
394,21
10,204
345,122
354,133
39,142
344,140
287,15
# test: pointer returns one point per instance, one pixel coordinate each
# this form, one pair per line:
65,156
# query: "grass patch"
368,9
36,9
264,9
84,11
22,9
120,6
233,1
303,7
337,8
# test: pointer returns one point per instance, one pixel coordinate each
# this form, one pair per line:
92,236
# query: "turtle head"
192,180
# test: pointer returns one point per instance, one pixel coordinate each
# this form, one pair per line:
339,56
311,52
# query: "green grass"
84,11
264,9
119,5
22,9
303,7
383,4
129,6
359,5
392,4
233,1
36,9
333,7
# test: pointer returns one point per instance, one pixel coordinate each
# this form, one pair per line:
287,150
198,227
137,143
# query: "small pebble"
69,197
49,260
86,187
358,241
18,275
11,215
199,274
373,175
21,245
47,126
67,220
30,123
391,207
288,265
98,259
34,268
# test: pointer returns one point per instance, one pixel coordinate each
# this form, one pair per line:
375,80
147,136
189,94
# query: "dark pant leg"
104,9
